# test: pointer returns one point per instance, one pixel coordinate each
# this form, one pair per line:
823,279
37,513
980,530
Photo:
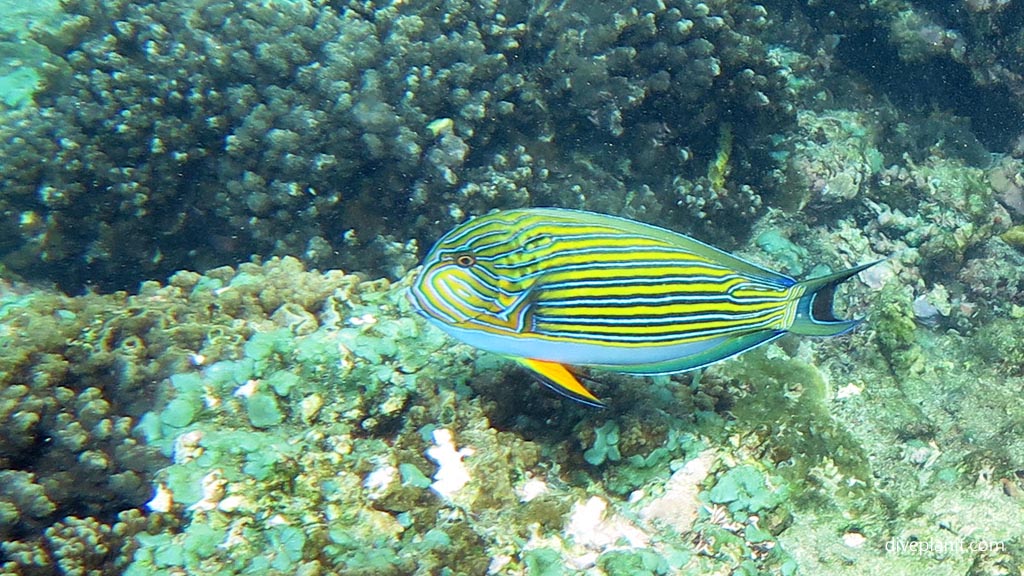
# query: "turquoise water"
212,212
22,57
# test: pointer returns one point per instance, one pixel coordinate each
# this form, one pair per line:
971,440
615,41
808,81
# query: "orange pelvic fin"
561,380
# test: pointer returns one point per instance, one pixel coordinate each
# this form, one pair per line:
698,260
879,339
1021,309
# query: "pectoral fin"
515,311
561,380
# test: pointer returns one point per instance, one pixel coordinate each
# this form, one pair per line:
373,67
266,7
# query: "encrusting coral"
307,414
78,373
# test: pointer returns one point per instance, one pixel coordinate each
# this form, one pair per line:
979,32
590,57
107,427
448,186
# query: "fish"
555,289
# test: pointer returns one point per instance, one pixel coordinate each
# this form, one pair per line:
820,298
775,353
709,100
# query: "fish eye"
465,259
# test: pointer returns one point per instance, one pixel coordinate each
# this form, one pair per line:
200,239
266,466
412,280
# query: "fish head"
479,275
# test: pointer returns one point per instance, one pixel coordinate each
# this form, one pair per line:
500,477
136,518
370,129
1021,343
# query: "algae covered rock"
77,373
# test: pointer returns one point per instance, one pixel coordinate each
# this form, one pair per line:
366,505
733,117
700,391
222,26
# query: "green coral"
745,490
263,410
1014,237
641,562
786,406
179,412
543,562
896,330
606,440
412,476
791,256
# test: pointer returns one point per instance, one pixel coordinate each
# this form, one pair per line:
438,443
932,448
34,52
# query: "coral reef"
303,419
78,373
74,372
977,33
960,56
307,414
274,419
834,159
337,131
390,465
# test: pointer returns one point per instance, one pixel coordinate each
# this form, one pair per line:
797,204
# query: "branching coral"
209,132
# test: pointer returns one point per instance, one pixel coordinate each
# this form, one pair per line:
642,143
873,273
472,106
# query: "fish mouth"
414,301
410,295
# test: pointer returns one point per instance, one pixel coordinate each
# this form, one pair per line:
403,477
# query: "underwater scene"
443,287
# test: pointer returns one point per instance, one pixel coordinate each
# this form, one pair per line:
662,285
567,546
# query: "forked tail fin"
814,315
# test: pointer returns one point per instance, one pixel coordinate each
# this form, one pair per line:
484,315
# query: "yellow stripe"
627,290
662,310
584,330
646,272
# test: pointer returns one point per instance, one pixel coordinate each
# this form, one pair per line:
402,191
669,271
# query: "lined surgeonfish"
550,287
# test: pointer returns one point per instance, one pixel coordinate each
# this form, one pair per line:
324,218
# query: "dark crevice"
936,84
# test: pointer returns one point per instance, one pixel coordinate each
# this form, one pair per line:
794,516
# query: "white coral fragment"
452,473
